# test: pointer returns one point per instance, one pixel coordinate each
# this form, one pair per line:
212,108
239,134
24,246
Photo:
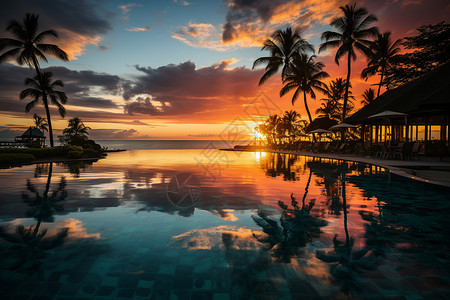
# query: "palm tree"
76,130
382,52
368,96
351,35
291,120
334,92
283,47
27,46
42,88
305,76
272,124
40,123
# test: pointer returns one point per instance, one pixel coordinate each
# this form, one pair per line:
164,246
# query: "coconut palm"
283,47
27,47
352,34
40,122
76,130
272,124
305,76
368,96
291,120
382,52
42,89
331,106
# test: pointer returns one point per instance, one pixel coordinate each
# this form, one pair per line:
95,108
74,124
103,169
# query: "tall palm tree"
351,35
42,89
283,47
76,129
368,96
305,76
382,52
27,47
40,123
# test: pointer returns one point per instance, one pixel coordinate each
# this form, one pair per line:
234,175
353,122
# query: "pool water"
197,224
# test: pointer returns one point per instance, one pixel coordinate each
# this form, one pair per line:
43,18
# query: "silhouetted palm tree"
272,124
291,120
27,47
42,89
76,130
382,52
305,76
351,35
283,47
368,96
40,123
334,92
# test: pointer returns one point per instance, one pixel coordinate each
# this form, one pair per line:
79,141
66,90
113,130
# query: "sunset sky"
176,69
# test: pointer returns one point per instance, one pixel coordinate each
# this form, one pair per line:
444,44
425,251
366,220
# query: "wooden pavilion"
32,136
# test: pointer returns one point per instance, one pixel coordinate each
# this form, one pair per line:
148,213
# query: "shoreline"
50,160
396,167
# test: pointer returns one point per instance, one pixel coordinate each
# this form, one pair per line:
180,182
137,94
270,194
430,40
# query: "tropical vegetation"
382,52
43,89
283,46
27,47
353,32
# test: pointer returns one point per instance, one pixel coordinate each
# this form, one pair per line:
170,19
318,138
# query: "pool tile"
167,269
105,291
125,293
146,284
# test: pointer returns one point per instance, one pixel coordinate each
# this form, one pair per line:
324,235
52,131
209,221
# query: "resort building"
418,111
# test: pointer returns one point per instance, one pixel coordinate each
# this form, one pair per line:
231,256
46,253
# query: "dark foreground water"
203,224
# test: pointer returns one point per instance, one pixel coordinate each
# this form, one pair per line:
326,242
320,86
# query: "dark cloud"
8,134
78,23
183,89
245,12
78,85
80,16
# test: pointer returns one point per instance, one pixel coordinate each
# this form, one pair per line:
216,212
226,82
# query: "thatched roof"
429,93
33,132
320,123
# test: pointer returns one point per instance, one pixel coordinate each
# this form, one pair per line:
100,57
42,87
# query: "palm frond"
53,50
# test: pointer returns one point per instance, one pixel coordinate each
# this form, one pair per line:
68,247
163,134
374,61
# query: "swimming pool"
190,224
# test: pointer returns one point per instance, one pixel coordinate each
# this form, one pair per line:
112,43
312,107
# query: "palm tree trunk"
306,189
344,206
347,84
309,114
49,121
381,82
45,196
47,110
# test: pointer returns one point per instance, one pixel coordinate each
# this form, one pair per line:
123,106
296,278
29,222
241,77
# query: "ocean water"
169,144
206,224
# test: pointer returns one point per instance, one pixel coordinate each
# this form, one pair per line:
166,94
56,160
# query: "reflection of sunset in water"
271,221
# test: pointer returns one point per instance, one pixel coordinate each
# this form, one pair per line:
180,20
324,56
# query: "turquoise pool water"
203,224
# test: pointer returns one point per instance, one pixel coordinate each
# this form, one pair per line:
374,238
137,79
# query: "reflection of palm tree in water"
42,207
30,243
277,164
349,265
298,228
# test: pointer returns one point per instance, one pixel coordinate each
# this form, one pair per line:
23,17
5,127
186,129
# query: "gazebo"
418,111
32,136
